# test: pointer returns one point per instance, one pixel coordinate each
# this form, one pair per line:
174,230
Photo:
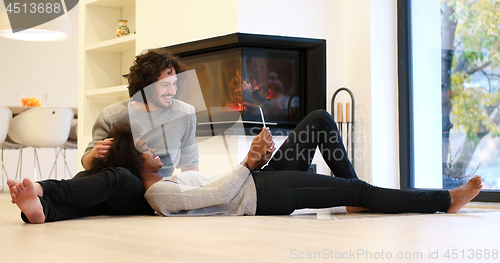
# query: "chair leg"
62,152
55,161
19,165
36,163
54,166
66,164
3,170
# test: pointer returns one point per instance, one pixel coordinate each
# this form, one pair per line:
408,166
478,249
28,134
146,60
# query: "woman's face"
152,162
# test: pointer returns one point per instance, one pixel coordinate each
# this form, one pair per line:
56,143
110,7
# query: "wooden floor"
330,235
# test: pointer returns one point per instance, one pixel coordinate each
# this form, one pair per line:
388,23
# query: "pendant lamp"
51,27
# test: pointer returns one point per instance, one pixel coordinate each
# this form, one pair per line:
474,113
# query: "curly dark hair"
148,67
122,153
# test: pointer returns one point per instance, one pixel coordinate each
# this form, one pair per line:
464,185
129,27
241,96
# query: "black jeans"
112,191
284,185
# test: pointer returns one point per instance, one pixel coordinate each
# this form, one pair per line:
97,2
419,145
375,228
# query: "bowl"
32,99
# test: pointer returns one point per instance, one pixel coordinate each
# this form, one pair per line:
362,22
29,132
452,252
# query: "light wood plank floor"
323,237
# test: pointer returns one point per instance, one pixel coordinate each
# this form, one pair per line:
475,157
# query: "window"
449,81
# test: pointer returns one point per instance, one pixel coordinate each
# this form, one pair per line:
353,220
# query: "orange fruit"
23,101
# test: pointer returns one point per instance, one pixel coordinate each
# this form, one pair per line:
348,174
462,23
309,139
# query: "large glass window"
449,53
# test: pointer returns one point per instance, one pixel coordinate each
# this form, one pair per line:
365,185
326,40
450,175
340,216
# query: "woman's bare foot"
355,209
10,183
24,196
462,195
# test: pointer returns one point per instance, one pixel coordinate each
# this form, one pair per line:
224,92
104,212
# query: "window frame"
405,97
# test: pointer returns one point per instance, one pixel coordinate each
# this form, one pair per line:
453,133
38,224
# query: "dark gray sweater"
170,131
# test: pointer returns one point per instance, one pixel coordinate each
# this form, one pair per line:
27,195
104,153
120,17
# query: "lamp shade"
53,30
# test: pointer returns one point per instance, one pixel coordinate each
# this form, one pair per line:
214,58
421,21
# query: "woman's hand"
261,149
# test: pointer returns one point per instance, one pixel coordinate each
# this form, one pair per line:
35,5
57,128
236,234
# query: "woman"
277,189
284,185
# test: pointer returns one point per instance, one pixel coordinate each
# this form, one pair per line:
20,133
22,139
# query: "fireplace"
241,73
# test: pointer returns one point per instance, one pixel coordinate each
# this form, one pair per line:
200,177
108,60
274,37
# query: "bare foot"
10,183
355,209
462,195
24,195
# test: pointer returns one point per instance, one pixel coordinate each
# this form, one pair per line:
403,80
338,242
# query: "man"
169,124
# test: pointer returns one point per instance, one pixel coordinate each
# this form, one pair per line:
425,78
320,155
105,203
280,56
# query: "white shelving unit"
103,60
121,44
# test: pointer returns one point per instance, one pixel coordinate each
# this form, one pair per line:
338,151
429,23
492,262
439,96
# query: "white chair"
5,117
41,127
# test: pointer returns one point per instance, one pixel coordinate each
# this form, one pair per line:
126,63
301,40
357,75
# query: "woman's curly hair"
148,67
122,153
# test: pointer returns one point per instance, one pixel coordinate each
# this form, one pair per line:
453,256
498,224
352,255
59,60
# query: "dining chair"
42,127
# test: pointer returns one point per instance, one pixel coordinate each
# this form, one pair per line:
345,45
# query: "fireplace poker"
340,117
347,120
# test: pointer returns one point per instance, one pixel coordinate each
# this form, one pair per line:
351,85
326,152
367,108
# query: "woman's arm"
171,197
167,197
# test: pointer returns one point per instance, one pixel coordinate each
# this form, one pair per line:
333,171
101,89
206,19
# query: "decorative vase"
122,29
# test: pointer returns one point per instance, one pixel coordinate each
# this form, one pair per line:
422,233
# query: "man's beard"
157,102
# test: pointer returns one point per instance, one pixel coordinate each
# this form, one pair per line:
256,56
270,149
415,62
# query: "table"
18,109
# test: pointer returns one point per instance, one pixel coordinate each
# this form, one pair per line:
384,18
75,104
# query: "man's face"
165,88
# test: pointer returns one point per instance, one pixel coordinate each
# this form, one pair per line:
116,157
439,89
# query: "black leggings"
285,185
112,191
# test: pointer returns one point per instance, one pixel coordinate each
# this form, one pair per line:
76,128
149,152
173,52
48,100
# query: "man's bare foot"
24,195
10,183
462,195
355,209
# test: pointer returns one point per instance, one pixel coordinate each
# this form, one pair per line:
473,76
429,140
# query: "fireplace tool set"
345,126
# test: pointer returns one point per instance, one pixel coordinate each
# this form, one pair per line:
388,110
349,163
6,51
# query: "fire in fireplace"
285,76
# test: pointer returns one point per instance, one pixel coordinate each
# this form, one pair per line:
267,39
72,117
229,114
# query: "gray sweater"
192,194
170,131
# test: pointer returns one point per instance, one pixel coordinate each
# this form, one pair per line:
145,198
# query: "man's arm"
99,151
98,147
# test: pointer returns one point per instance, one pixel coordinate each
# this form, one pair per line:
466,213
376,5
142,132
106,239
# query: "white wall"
357,64
384,93
170,22
48,67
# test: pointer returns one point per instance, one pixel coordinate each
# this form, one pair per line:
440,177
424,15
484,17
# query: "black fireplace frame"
312,53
